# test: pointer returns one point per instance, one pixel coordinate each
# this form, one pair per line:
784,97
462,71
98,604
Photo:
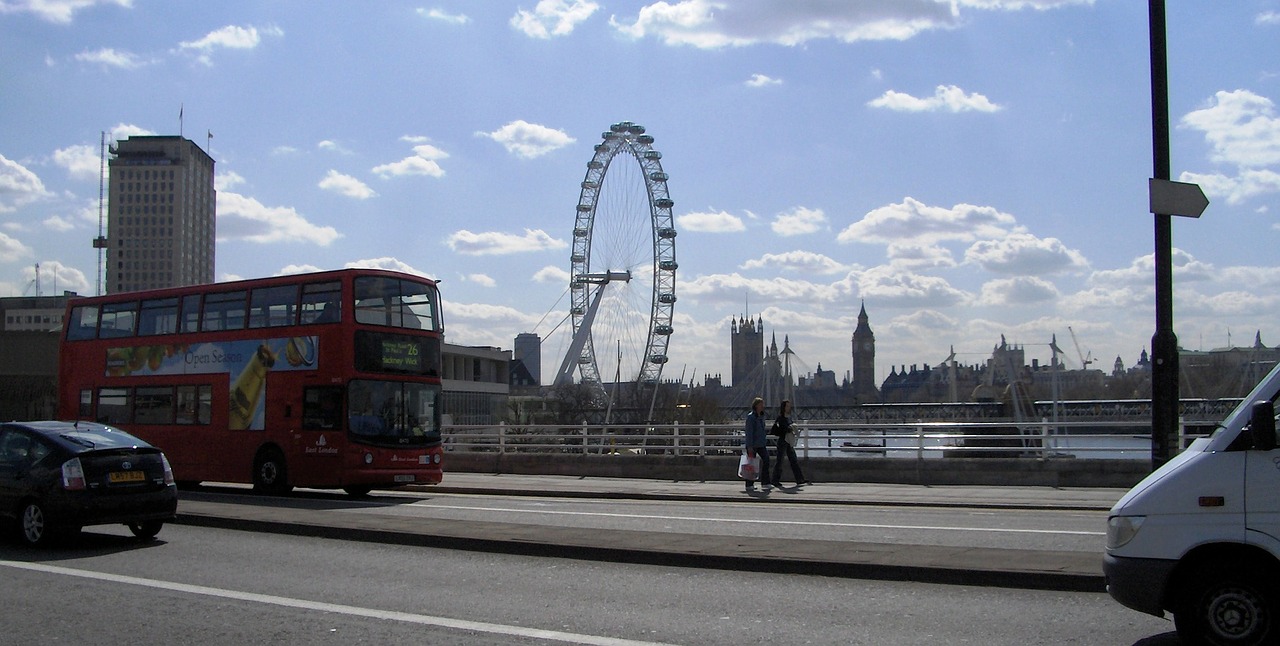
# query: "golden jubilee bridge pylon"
622,276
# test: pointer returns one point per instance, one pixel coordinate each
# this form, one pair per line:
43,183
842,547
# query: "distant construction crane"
1085,360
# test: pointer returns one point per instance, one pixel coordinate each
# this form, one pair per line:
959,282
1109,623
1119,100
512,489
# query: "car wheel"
147,529
357,491
270,475
33,525
1228,607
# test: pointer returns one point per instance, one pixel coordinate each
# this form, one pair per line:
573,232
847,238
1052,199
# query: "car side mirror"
1262,425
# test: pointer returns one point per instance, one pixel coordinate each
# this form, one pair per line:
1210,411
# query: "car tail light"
168,470
73,475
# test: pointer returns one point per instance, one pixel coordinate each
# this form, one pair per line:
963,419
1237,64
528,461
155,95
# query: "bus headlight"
368,458
1122,529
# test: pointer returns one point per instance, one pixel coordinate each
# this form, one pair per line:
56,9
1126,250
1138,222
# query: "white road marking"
757,521
373,613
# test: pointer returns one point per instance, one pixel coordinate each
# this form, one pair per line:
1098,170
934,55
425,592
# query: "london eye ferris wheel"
622,265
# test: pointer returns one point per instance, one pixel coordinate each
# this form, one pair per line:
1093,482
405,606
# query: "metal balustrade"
1044,440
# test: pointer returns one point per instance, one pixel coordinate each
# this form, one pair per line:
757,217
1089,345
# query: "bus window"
158,316
394,302
113,406
223,311
118,319
322,407
83,323
321,303
390,411
193,404
153,405
190,313
419,305
273,306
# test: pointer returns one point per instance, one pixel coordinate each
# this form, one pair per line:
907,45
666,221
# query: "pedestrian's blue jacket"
757,436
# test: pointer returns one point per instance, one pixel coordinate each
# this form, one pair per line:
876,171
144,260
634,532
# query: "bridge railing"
920,440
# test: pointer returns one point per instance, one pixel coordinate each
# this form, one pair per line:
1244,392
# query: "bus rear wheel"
270,474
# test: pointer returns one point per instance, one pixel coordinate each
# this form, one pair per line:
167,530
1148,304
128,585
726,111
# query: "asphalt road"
215,586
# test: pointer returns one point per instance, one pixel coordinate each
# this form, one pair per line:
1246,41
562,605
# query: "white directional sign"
1177,198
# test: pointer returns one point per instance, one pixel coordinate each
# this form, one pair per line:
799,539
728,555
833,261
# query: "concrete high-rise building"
528,350
160,215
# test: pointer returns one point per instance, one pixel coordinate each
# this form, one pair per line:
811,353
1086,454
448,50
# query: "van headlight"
1122,529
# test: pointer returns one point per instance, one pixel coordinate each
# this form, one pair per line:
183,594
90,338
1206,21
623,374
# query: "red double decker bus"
327,380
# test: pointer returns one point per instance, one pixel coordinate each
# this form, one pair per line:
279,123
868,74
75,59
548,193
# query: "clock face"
866,345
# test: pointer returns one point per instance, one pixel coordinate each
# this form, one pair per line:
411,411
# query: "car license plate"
405,478
118,477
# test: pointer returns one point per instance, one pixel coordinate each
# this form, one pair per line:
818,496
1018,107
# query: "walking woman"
757,442
786,439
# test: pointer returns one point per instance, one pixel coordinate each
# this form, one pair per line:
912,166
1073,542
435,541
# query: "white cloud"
946,97
1025,254
439,14
1268,18
291,270
799,221
552,274
228,37
711,222
227,180
58,223
528,140
390,264
1235,190
425,161
12,249
244,218
917,255
494,243
123,131
81,161
1021,290
332,146
801,261
730,288
18,185
760,80
111,58
894,287
1242,127
920,223
553,17
1013,5
483,280
58,11
710,24
346,185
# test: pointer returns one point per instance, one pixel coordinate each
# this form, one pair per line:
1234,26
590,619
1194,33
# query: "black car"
56,477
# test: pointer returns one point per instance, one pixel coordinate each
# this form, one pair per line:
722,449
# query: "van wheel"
1228,607
270,475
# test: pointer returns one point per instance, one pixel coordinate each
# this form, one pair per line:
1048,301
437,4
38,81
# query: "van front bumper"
1138,583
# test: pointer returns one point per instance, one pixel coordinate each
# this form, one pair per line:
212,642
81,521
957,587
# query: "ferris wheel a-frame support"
580,338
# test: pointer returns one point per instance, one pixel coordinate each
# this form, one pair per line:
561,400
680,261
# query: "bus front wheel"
270,475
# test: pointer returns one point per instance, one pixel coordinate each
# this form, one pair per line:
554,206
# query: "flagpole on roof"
181,109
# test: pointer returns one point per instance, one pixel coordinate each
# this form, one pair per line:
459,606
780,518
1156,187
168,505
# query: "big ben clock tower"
864,360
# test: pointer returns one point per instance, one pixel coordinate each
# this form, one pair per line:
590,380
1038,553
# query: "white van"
1200,537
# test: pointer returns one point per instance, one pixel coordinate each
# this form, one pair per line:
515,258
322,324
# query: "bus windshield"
393,412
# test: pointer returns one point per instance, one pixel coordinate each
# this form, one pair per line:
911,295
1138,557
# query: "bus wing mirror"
1262,425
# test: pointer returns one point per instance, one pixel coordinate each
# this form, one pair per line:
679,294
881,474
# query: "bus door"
319,433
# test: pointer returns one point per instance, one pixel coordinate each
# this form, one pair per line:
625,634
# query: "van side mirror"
1262,425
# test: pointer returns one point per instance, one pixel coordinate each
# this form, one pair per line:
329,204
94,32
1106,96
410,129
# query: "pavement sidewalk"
368,520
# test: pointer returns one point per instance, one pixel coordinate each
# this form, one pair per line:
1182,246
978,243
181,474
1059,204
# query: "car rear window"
101,439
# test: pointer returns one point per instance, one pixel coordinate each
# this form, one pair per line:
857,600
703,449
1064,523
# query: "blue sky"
968,169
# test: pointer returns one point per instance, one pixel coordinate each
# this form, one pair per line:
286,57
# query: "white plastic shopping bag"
749,467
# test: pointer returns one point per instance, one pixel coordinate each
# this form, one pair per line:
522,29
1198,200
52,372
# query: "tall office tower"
529,350
160,216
